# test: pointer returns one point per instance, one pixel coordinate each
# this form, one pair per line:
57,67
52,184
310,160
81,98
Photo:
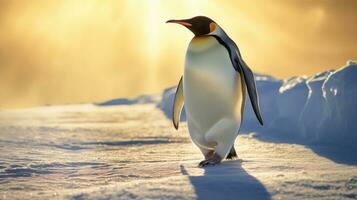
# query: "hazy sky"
56,52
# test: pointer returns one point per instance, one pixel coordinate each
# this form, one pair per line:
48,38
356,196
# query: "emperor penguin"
213,89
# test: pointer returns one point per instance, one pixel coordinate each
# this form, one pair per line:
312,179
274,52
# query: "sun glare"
152,21
105,47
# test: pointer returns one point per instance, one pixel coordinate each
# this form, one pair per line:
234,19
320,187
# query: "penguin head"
199,25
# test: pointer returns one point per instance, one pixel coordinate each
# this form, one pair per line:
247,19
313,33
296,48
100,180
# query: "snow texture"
133,152
320,109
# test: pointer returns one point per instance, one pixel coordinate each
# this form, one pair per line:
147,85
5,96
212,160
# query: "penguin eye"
212,27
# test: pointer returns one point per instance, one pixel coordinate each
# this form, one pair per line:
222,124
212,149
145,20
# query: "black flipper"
241,67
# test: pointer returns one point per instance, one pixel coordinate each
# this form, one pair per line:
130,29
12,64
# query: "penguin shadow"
339,154
226,181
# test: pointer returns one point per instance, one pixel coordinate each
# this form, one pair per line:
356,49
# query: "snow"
129,149
143,99
133,152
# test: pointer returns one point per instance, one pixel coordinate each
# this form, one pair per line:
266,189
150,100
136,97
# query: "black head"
199,25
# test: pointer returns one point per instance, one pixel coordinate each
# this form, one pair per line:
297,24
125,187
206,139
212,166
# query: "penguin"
213,89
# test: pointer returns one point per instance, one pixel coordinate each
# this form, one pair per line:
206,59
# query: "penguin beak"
182,22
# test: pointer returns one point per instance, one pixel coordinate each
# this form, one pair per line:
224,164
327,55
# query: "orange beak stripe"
184,23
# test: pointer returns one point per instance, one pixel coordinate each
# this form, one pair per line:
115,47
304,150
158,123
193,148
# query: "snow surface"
132,151
319,109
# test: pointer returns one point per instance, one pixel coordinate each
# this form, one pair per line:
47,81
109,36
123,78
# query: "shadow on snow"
336,153
226,181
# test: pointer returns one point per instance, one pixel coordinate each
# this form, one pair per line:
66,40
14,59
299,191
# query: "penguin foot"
209,154
213,160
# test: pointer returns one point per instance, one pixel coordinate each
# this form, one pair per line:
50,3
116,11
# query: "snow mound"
143,99
318,109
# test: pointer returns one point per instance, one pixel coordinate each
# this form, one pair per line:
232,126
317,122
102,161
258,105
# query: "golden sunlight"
57,52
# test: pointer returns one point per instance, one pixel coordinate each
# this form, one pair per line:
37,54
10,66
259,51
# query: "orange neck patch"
212,27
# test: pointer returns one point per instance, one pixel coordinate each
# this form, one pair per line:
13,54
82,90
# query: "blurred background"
59,52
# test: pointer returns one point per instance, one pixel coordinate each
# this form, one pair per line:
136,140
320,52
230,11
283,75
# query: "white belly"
212,88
